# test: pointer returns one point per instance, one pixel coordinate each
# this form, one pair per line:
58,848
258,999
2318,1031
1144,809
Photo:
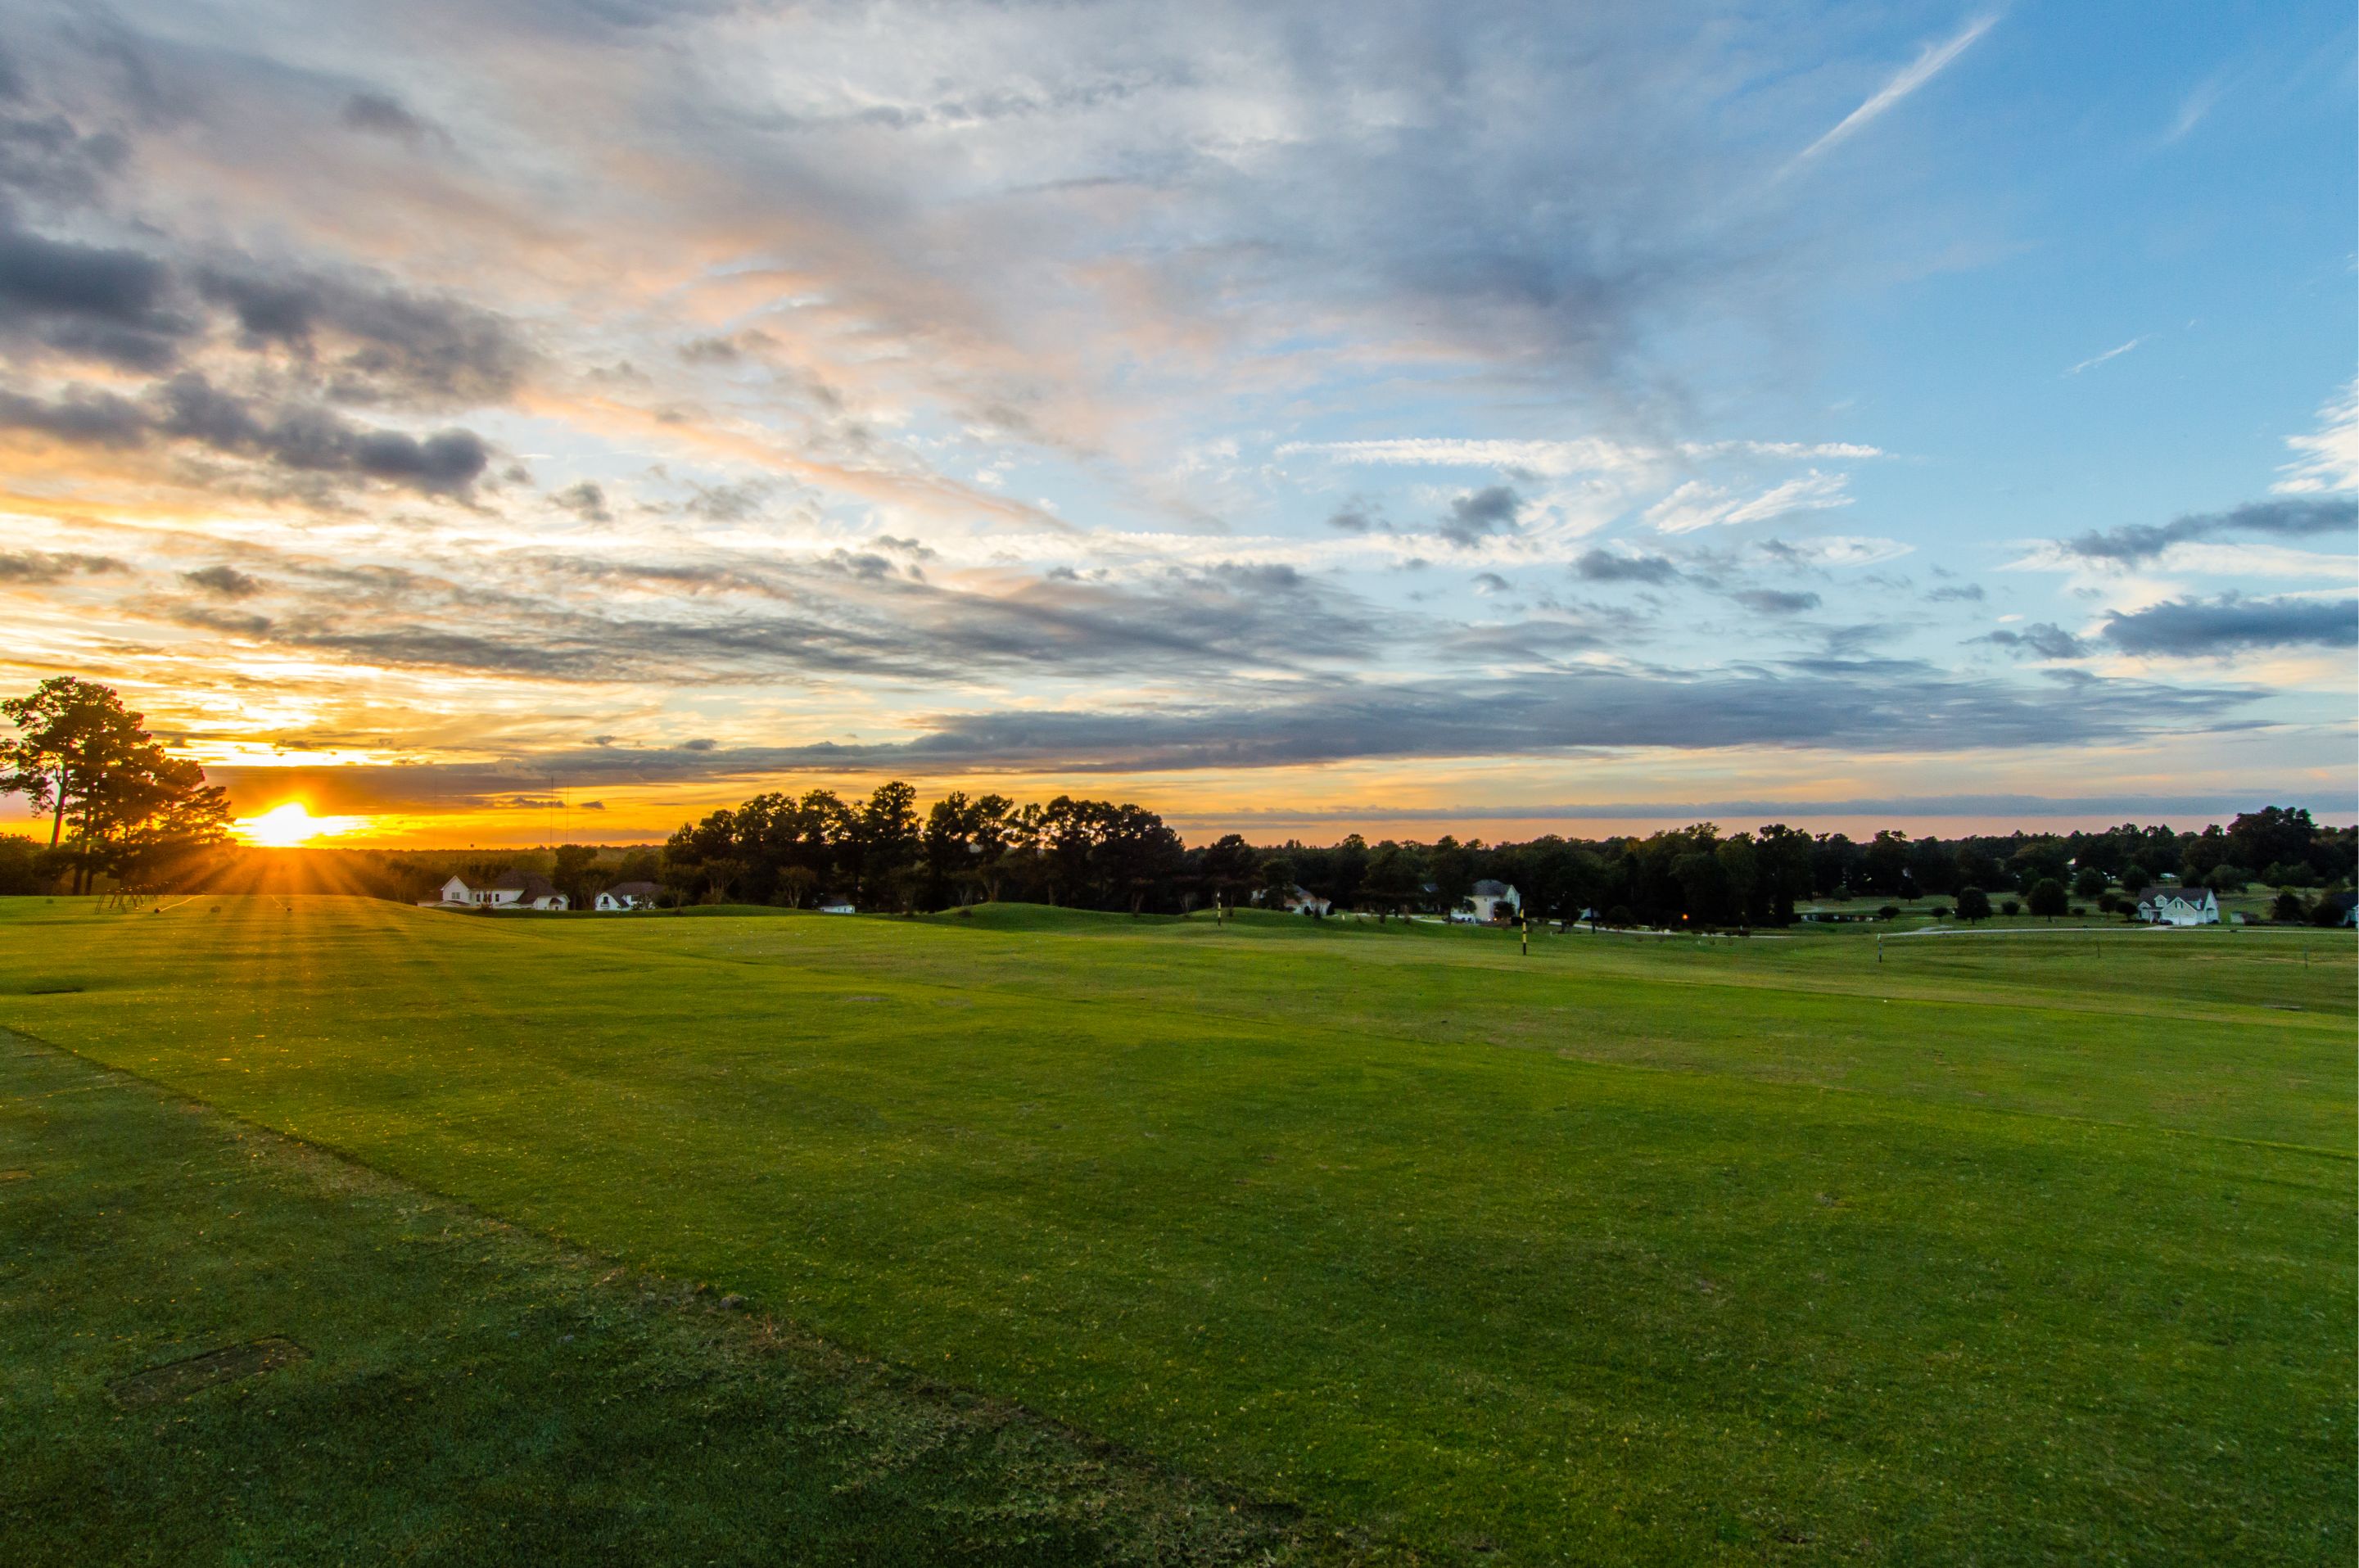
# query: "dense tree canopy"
1097,854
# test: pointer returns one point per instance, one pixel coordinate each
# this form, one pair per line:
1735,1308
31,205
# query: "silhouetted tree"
137,812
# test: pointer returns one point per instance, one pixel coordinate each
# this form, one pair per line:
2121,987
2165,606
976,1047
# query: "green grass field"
2009,1249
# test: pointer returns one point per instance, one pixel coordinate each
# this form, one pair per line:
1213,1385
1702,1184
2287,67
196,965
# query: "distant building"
1301,901
836,906
628,896
1492,901
2179,907
508,890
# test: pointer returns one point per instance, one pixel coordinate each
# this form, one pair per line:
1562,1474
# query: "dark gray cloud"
2289,518
1775,601
307,439
83,417
729,503
2187,626
586,501
1956,593
318,441
1350,520
213,618
371,342
45,159
55,277
1471,516
381,114
94,301
1609,566
226,581
365,341
2043,639
36,566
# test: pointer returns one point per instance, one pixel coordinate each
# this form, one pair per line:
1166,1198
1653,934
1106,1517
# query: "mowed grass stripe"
2271,1076
381,1375
1468,1296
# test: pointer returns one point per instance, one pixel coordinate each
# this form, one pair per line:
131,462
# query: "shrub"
2012,907
1889,912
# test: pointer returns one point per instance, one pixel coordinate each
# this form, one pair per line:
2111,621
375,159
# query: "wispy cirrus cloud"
2326,459
2112,353
1934,60
1698,504
1555,458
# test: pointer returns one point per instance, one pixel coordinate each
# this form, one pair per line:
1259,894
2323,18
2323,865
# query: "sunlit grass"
2003,1250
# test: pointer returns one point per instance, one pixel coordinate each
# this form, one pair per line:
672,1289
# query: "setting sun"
285,826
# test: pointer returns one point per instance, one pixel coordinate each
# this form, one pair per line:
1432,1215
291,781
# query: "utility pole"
1527,932
1879,947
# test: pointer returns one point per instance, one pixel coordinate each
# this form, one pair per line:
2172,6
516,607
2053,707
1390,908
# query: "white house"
1301,901
627,896
508,890
836,906
1492,901
2179,907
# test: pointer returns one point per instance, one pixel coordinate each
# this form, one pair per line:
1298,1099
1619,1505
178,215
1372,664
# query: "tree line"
881,853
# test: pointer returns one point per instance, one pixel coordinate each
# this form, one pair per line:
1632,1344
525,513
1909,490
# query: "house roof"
1487,888
2186,895
634,889
531,884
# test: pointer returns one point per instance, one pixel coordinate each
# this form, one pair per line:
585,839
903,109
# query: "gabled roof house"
508,890
627,896
2179,907
1492,900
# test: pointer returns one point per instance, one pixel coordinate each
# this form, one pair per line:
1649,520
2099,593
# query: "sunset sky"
517,420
